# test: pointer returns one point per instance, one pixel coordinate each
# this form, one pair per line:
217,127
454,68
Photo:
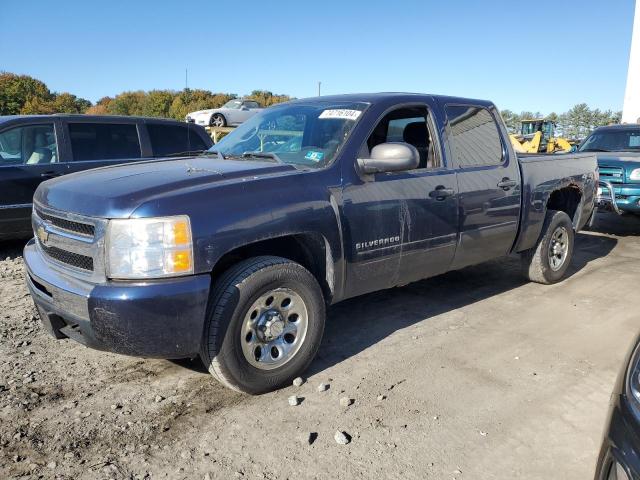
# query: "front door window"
28,145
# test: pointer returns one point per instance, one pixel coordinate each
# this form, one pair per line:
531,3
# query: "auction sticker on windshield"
342,113
314,156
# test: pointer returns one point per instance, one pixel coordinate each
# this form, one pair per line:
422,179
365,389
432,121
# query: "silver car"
232,113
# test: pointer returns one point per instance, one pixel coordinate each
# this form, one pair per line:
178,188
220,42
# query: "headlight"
139,248
635,174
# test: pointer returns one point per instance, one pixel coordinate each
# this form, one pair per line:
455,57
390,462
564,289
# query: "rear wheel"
548,261
265,324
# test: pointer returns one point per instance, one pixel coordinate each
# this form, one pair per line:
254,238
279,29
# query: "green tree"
16,90
266,98
127,103
157,103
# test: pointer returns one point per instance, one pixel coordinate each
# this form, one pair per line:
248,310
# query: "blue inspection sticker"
314,156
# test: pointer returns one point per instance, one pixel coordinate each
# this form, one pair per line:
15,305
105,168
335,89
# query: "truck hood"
116,191
618,159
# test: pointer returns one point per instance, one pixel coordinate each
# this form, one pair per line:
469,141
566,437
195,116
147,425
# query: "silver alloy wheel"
274,328
217,121
558,248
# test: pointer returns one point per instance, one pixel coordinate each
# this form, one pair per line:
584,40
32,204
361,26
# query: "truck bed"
544,173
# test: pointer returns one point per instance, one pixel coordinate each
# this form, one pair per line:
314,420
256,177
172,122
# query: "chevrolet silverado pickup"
235,255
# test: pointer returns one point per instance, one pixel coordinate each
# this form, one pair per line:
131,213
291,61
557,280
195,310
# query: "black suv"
34,148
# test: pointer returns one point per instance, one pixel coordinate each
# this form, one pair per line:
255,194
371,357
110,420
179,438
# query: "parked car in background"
235,256
232,113
34,148
618,151
619,457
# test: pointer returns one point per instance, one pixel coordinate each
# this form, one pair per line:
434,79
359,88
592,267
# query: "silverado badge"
42,234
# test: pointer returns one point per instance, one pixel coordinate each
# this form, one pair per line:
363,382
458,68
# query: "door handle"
506,184
50,174
441,192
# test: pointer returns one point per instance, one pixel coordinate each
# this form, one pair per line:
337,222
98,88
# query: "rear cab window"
29,145
104,141
171,139
474,139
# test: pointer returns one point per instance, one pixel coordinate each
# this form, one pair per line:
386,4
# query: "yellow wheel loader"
536,136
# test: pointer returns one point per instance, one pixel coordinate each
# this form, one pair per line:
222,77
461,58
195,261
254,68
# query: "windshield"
303,135
233,104
627,139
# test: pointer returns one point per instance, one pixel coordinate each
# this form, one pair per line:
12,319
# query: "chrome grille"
612,174
74,259
63,223
70,242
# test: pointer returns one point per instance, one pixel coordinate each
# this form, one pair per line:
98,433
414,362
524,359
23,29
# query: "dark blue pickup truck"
235,255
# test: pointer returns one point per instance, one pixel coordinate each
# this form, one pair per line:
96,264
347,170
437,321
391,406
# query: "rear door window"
170,139
474,137
28,145
104,141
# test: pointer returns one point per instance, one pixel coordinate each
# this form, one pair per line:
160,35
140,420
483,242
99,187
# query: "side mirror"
574,148
390,157
244,107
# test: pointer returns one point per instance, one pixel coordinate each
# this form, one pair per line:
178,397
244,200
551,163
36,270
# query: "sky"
525,56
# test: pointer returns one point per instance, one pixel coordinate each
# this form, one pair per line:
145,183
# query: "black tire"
536,262
231,299
218,118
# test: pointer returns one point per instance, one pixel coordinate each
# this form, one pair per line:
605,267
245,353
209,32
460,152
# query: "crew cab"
235,255
34,148
618,151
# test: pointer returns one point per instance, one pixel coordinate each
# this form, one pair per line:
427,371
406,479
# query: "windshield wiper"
270,155
594,150
187,153
195,153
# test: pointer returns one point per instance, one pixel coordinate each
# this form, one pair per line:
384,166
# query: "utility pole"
186,79
319,85
631,107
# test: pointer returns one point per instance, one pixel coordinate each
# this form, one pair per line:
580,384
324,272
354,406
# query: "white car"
232,113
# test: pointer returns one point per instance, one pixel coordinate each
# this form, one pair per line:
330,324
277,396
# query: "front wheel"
218,120
548,261
265,324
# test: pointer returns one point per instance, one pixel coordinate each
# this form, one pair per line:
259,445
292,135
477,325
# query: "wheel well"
309,250
565,200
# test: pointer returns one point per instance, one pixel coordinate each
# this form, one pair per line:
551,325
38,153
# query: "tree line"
22,94
576,123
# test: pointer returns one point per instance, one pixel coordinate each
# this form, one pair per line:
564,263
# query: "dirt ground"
473,374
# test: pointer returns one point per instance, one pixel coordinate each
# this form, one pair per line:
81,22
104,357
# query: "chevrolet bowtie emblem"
42,234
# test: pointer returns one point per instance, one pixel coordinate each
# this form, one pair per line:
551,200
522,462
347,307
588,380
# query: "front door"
401,226
29,155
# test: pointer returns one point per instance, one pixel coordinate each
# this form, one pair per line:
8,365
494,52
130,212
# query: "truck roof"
373,98
619,126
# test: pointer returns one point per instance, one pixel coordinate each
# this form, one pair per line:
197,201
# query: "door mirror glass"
390,157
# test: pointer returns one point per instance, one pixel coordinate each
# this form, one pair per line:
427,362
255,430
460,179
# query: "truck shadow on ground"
356,324
619,225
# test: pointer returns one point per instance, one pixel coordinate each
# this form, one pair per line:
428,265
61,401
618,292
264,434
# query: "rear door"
29,154
488,182
93,144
